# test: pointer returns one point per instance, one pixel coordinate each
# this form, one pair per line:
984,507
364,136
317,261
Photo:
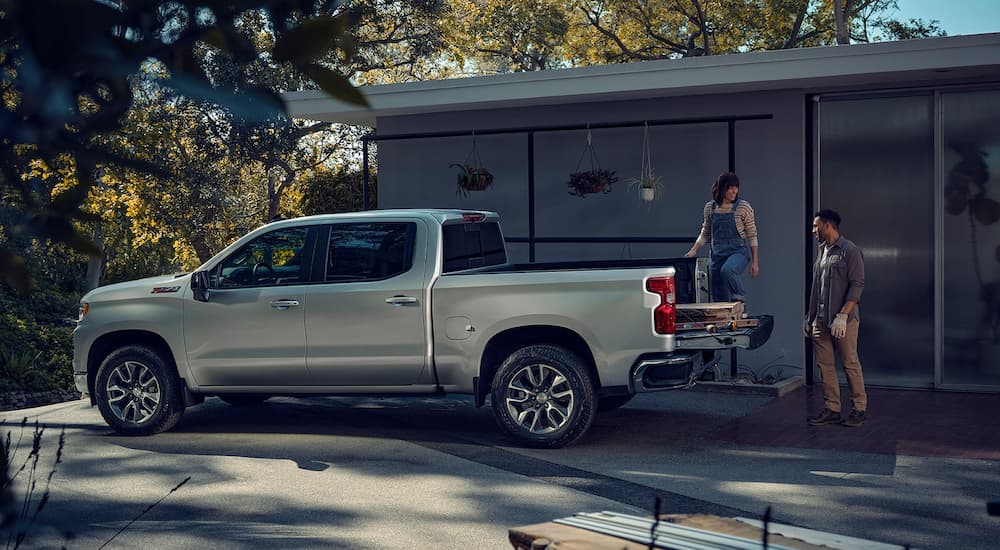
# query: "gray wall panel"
770,160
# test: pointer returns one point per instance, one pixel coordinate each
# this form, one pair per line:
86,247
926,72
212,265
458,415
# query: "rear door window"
369,251
469,245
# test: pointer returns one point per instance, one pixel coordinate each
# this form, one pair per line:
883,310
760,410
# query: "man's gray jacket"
841,272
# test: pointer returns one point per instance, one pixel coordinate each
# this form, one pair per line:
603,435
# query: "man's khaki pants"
847,349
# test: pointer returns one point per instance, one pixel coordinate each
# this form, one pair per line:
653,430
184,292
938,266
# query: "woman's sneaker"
825,417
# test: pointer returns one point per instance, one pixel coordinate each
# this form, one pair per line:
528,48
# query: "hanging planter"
584,182
472,175
648,184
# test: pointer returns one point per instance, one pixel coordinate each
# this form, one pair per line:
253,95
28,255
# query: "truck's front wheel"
543,396
137,392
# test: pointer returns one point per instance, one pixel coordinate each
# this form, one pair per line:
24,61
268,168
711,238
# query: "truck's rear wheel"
138,392
543,396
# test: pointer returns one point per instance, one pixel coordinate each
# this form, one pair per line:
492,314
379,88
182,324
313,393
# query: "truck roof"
441,215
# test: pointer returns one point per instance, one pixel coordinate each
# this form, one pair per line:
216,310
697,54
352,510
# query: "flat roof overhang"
973,58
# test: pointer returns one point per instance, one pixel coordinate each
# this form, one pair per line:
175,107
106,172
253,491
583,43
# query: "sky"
955,16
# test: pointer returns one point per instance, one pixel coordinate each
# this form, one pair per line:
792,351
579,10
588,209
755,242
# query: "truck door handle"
400,300
284,304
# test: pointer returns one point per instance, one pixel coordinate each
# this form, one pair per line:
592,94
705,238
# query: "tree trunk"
201,248
95,266
840,18
273,198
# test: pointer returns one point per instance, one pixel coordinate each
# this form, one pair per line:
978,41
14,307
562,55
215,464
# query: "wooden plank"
712,311
554,536
563,537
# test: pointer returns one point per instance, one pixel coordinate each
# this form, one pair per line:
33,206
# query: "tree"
329,191
636,30
514,35
65,71
391,41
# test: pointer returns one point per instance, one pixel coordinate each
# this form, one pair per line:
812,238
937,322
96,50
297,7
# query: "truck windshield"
468,245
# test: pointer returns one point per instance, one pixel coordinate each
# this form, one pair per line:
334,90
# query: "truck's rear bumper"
669,371
695,352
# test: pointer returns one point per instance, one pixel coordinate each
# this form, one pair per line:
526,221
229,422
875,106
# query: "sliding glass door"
875,167
970,238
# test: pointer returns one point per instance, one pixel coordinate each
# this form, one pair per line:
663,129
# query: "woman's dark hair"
723,182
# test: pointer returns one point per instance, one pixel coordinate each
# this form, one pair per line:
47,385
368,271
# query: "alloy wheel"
540,398
133,392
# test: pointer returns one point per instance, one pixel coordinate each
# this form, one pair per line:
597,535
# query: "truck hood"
162,284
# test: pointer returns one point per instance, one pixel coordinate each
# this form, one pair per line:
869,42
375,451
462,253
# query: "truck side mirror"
199,285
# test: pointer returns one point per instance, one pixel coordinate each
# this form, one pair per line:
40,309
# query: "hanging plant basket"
586,181
472,175
648,184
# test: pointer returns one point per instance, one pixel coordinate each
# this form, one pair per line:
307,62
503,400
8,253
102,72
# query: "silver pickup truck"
393,302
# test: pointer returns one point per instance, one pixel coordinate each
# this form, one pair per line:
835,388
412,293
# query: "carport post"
364,173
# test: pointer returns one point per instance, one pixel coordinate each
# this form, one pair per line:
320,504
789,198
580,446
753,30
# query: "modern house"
902,138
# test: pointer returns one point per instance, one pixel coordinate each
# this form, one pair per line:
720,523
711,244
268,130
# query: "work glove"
839,327
807,328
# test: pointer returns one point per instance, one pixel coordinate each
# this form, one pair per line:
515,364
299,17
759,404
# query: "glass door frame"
814,161
940,180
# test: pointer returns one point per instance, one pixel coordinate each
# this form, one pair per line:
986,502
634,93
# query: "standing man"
832,321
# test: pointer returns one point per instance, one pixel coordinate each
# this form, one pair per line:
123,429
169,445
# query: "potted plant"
472,175
472,178
583,182
597,180
649,185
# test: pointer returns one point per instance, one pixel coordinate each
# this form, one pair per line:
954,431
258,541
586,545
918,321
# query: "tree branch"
793,37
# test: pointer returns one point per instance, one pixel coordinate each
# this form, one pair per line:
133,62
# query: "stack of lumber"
614,531
712,315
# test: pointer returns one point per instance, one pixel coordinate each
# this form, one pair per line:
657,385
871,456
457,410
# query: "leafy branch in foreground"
67,76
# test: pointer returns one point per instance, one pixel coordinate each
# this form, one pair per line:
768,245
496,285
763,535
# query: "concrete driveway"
436,473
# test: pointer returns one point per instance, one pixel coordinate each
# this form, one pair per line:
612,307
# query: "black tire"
611,402
138,392
244,399
543,396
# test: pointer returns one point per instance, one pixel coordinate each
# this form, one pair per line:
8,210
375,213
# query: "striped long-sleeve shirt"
746,225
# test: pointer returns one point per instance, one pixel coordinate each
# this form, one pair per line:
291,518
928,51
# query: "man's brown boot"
825,417
855,419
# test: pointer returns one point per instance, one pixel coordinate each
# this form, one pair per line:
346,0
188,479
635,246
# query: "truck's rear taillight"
665,314
474,217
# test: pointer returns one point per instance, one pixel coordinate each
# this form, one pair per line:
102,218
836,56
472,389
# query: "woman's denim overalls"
730,257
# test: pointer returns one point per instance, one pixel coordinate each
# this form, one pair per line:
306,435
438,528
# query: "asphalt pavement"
366,472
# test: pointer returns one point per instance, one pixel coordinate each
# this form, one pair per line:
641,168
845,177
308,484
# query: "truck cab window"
468,245
271,259
369,251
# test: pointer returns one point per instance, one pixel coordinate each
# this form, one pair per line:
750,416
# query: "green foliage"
34,335
520,35
66,74
18,371
912,28
517,35
334,191
36,354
